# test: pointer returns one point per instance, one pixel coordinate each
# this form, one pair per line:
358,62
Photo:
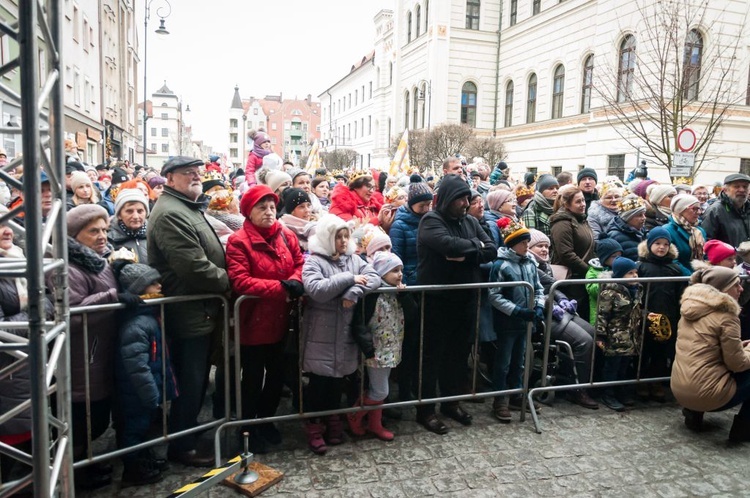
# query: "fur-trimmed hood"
699,300
644,253
324,240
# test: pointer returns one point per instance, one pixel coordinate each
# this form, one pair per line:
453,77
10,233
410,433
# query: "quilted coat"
598,218
627,236
403,236
709,349
256,267
348,205
329,348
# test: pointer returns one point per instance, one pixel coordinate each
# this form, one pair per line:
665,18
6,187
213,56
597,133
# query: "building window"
406,109
390,73
558,92
165,147
513,12
153,132
533,170
164,115
616,166
153,147
369,125
745,166
233,123
626,68
356,96
531,100
233,138
355,129
417,20
536,7
426,14
165,132
747,98
472,14
469,104
588,84
509,104
273,126
415,108
370,90
408,27
423,101
691,64
233,153
556,170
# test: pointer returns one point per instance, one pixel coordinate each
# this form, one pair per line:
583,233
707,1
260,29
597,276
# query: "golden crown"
659,327
359,174
630,203
211,175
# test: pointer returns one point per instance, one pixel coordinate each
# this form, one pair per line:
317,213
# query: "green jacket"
595,269
184,249
618,324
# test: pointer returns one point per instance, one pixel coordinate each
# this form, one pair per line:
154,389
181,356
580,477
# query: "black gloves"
129,299
524,313
294,288
539,312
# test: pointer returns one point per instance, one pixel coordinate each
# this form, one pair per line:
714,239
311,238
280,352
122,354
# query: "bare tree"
339,158
671,76
489,148
446,140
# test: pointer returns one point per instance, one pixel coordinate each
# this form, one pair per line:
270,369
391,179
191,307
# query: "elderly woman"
83,189
627,227
91,282
263,260
658,211
298,214
355,201
711,371
687,236
603,211
502,204
128,225
572,241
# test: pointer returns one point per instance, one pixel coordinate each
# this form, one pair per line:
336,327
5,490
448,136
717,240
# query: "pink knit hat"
717,251
497,198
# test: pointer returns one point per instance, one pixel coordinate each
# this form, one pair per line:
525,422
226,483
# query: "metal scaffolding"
44,351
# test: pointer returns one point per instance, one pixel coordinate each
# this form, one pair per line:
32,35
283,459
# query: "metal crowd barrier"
422,289
590,381
166,436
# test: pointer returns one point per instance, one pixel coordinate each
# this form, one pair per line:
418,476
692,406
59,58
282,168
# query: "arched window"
536,7
469,104
415,110
426,14
390,73
408,27
417,20
531,100
422,101
588,84
406,109
626,69
513,12
509,104
558,91
691,65
472,14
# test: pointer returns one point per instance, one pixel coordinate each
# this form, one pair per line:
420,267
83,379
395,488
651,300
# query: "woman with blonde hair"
83,189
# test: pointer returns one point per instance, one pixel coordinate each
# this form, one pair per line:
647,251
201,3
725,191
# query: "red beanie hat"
717,251
253,196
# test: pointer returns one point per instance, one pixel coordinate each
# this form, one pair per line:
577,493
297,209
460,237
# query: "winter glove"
557,313
524,313
539,313
129,299
569,305
294,288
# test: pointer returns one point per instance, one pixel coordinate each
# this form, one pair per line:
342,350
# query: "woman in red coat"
263,260
355,201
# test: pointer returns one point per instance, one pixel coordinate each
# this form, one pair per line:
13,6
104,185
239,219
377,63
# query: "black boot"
740,431
140,471
693,420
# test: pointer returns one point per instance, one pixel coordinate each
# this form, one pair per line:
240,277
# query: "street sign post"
682,164
686,140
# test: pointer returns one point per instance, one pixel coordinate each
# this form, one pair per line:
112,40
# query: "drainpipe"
497,70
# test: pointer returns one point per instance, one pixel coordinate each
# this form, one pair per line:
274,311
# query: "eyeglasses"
190,172
369,186
695,209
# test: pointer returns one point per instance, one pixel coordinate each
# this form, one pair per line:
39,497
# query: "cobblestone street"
644,452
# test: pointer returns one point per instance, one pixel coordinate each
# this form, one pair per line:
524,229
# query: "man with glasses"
183,247
728,219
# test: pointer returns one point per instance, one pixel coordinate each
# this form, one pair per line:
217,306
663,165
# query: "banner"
400,163
313,159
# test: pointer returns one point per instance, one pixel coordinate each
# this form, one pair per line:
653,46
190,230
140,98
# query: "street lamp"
421,98
161,31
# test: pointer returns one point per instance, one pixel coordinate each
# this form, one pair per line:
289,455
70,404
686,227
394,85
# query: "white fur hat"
324,240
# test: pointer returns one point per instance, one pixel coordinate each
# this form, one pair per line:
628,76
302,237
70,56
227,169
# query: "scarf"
260,151
542,202
267,233
133,234
21,285
696,239
667,212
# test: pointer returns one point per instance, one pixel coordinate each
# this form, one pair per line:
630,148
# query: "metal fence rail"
590,381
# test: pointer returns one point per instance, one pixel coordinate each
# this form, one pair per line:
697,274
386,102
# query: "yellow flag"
400,163
313,159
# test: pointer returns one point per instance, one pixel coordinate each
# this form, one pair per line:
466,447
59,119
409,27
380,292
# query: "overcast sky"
294,47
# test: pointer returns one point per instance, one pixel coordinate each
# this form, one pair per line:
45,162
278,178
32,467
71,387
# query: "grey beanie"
546,181
135,277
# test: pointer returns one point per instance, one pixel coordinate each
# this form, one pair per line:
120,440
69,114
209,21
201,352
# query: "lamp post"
421,98
161,30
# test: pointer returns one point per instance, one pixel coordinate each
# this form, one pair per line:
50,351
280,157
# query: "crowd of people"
322,242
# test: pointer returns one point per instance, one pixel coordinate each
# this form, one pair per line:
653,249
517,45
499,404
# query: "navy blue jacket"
627,236
403,236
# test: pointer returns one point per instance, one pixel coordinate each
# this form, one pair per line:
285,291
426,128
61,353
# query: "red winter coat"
254,163
348,205
256,268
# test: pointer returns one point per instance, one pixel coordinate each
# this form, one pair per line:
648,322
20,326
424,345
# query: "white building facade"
167,133
525,71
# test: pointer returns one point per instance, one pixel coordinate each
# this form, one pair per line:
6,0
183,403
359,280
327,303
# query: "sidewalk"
645,452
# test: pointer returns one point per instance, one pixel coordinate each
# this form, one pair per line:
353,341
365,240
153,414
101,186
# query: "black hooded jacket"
442,237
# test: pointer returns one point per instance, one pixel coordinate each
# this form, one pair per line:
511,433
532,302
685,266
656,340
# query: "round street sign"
686,140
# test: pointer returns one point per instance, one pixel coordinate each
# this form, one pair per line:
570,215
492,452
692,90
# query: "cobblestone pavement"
644,452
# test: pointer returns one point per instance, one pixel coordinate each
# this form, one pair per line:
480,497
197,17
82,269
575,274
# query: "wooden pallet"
267,477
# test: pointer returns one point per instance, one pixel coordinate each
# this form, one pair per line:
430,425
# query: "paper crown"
359,174
630,203
123,253
659,327
214,177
